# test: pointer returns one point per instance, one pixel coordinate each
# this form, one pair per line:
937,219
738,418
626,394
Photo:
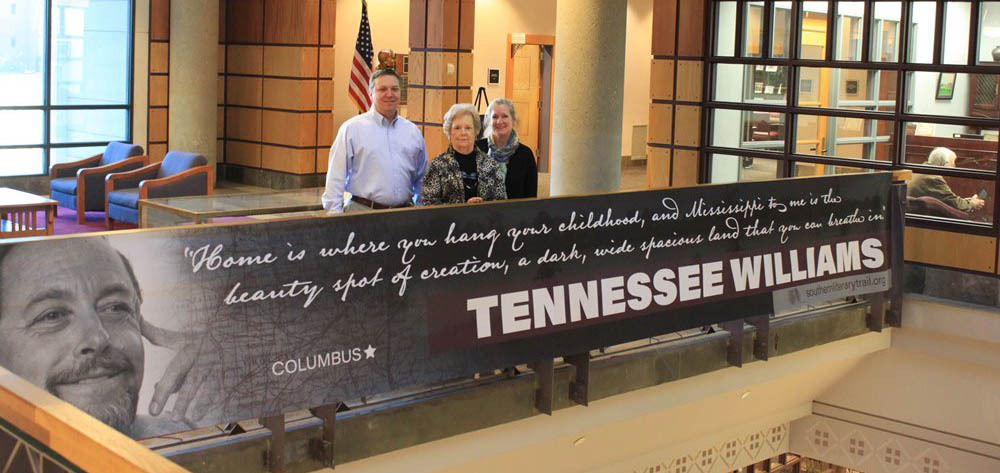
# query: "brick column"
159,79
676,93
440,74
278,86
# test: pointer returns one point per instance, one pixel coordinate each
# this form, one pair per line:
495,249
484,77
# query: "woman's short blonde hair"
489,113
458,110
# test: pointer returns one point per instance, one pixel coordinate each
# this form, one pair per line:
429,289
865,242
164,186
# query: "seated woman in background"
516,160
462,174
925,185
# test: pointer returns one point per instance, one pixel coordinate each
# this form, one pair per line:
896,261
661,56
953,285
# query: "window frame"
48,108
898,117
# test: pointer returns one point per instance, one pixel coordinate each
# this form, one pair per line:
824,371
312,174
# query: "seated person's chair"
80,184
927,205
179,174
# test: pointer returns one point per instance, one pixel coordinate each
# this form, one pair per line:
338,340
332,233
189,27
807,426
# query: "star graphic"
370,351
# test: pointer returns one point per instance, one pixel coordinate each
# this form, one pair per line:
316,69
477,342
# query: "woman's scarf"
502,153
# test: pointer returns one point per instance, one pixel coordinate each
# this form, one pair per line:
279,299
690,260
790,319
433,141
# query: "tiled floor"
632,178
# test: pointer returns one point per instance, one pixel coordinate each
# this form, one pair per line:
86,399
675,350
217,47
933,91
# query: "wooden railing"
50,428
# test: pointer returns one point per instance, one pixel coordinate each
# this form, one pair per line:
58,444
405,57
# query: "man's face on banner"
69,322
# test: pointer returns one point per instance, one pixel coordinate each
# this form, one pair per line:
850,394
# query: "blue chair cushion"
66,185
123,214
118,151
125,197
178,161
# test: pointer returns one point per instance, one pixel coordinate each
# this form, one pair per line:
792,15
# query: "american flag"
361,69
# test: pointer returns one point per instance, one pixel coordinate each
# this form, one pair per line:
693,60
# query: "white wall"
638,54
494,20
390,27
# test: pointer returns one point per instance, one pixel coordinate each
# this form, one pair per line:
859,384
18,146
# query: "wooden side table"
19,214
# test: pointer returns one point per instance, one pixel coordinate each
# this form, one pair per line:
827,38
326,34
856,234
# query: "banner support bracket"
734,346
275,456
876,314
545,379
897,231
579,388
322,448
760,341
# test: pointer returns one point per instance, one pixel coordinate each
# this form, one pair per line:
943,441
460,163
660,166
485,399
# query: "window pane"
959,198
65,155
813,41
854,138
780,29
885,31
749,129
953,94
731,168
80,126
850,24
812,169
20,127
849,89
972,151
22,47
956,33
725,39
21,162
758,83
989,32
90,44
923,19
754,28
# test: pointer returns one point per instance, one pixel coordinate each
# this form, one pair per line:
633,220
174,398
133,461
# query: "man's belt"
377,206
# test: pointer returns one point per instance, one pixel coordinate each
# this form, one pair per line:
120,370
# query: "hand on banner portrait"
187,374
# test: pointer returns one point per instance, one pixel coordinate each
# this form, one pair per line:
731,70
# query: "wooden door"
526,90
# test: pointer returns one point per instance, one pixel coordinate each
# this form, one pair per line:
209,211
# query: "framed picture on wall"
945,86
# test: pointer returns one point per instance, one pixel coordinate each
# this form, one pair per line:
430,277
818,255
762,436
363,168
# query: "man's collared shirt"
375,158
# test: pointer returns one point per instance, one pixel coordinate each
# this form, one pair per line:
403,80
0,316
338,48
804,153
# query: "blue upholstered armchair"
80,184
179,174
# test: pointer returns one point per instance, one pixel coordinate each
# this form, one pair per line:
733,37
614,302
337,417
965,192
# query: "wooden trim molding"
937,247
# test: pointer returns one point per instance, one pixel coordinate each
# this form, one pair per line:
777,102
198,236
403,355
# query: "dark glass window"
65,87
832,87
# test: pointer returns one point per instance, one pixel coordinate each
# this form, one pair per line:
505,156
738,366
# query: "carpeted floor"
65,222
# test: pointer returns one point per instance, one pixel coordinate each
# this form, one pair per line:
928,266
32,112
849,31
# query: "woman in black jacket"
517,161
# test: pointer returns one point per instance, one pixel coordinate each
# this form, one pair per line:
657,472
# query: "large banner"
161,330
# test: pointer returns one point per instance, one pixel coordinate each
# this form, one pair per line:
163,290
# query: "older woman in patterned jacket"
463,174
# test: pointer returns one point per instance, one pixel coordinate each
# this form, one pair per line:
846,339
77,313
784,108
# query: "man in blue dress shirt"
379,157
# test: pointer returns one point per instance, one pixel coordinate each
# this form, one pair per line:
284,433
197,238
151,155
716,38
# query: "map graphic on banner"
216,324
